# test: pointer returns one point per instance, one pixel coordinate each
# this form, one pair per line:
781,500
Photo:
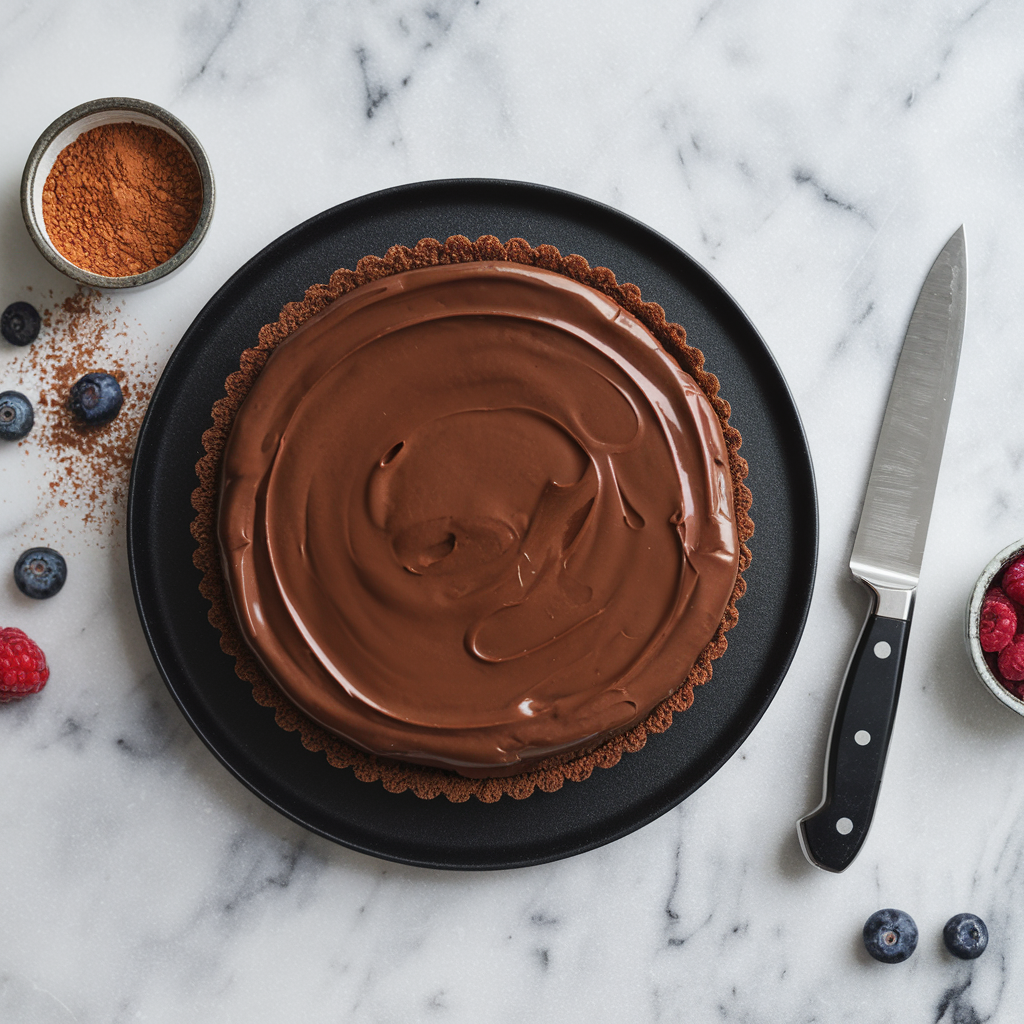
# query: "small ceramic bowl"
64,131
981,588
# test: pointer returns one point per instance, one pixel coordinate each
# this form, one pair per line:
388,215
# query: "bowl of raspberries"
995,627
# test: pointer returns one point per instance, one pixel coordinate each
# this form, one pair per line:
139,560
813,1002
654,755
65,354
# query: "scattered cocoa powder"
122,199
86,469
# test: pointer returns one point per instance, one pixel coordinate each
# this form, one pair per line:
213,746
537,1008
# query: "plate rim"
805,567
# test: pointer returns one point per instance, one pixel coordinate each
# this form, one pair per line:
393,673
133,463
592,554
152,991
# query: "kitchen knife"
887,556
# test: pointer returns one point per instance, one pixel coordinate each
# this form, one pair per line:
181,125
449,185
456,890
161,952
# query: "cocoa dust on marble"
87,467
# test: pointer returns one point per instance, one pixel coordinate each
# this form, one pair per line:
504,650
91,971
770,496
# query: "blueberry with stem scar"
95,399
16,416
40,573
19,323
965,936
890,936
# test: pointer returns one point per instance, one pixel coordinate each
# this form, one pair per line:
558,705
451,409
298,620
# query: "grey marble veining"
814,157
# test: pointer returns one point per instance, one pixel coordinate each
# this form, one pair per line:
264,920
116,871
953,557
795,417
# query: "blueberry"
890,936
16,416
40,572
96,398
19,323
965,936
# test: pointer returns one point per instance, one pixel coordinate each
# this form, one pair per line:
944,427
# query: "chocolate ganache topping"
474,516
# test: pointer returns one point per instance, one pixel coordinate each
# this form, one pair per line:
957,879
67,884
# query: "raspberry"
22,666
1011,661
1013,580
998,621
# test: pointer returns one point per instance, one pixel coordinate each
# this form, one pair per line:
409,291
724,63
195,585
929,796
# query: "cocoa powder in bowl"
122,199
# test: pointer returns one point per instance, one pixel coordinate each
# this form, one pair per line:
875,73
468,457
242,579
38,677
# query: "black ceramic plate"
436,833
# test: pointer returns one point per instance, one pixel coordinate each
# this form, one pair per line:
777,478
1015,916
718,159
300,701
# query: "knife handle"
832,834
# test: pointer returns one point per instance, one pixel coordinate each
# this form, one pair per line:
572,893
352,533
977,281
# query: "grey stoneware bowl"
985,581
64,131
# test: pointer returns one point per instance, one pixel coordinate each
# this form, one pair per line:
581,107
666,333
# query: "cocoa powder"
122,199
86,469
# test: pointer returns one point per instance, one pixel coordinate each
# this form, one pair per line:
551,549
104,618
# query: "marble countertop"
814,158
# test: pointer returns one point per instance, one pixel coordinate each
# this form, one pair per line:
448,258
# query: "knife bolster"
891,602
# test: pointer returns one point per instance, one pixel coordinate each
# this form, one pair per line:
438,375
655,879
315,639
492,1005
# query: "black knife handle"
832,834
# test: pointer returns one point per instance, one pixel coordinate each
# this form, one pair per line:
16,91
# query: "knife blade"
887,555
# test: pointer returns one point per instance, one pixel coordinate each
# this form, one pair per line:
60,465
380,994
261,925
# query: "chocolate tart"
556,756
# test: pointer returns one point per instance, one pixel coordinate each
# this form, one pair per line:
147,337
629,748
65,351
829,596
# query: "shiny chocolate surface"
474,516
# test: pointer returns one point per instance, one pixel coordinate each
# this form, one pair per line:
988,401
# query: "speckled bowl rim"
114,105
973,624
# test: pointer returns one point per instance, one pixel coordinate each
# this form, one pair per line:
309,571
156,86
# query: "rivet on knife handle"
832,834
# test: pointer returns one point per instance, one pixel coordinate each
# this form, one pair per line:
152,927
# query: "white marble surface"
814,157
